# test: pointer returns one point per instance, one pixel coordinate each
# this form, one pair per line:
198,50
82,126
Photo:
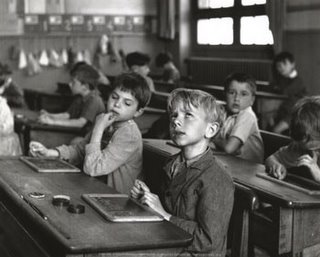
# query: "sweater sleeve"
122,145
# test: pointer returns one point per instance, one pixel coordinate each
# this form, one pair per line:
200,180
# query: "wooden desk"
24,232
29,129
295,229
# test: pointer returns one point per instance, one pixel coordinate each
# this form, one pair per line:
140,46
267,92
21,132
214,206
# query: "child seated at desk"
240,133
139,63
288,82
85,107
197,191
114,148
170,72
9,140
304,149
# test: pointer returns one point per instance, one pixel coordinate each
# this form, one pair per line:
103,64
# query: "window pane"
255,30
218,31
213,4
253,2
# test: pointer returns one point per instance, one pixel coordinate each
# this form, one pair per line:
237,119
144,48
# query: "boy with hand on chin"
197,194
114,147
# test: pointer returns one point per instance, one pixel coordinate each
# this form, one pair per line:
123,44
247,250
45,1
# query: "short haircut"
137,58
305,121
163,58
4,69
283,56
86,74
135,84
241,78
199,99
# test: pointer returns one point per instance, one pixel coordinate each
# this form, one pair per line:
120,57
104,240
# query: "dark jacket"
200,199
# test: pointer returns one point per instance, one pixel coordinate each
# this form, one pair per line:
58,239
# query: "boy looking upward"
197,194
84,109
240,133
305,145
139,63
114,148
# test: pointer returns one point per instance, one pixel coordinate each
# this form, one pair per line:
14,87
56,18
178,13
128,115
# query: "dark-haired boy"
114,148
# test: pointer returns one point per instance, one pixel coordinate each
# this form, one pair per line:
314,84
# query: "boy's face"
239,97
76,86
124,105
188,125
142,70
285,68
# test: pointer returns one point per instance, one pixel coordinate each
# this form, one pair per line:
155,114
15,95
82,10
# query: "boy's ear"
138,113
212,129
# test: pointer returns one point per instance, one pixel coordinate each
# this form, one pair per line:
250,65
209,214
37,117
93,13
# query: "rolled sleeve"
243,126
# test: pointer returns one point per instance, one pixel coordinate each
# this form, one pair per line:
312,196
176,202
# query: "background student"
287,82
12,92
304,149
84,109
170,72
197,192
139,62
9,140
240,133
114,148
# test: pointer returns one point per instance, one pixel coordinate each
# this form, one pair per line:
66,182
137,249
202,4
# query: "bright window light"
253,2
213,4
254,30
217,31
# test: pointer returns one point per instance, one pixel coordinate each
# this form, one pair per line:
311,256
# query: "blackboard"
49,164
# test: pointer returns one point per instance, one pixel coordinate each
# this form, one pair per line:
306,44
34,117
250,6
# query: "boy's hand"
277,170
104,120
311,163
37,149
138,189
154,203
45,119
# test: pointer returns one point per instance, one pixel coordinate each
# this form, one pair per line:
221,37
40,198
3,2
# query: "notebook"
48,164
121,208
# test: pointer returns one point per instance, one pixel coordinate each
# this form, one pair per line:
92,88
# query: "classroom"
159,128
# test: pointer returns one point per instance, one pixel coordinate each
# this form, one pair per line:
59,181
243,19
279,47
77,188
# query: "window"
232,23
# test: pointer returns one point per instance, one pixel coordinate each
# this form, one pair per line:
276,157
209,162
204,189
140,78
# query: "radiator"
215,70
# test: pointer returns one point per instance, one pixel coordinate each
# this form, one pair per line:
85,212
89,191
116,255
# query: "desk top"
244,172
76,233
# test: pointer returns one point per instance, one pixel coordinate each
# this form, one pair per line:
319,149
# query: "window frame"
236,12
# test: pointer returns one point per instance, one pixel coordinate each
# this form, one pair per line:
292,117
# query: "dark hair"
305,120
242,78
282,57
137,58
163,58
4,69
86,74
135,84
199,99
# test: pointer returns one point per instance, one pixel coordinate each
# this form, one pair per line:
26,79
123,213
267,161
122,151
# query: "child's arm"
275,168
39,150
231,145
77,123
141,192
311,163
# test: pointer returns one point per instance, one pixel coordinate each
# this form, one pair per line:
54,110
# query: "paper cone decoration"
87,56
33,65
79,57
103,44
22,60
54,59
64,56
44,60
